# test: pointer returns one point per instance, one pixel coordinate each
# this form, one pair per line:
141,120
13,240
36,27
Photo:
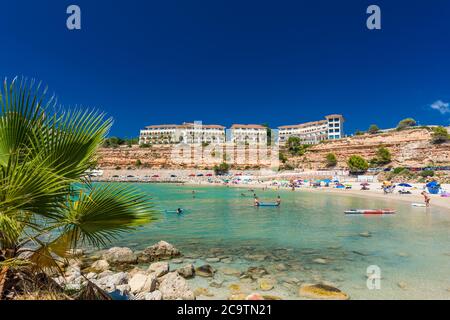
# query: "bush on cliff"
440,135
357,164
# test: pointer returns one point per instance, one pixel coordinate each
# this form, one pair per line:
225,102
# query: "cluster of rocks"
157,282
119,270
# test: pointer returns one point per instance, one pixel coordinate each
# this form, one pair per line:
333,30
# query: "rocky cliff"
412,148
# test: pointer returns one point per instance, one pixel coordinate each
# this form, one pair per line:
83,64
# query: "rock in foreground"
322,291
159,251
173,287
119,255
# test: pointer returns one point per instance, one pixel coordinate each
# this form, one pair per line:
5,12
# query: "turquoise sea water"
412,248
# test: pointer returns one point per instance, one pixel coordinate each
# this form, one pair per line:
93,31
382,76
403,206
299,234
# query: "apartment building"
189,133
332,127
248,133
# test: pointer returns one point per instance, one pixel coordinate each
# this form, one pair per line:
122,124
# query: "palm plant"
47,204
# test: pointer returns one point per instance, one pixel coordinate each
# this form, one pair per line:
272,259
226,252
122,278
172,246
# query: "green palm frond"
21,114
102,213
44,156
71,140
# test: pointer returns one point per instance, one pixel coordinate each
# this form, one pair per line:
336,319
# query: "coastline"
374,192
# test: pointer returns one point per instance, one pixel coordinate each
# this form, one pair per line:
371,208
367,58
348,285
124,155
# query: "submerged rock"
320,261
255,272
230,272
216,283
159,251
402,285
280,267
187,272
234,287
118,255
322,291
205,271
212,260
266,284
366,234
173,287
202,292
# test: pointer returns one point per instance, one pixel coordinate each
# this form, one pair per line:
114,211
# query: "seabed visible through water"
307,240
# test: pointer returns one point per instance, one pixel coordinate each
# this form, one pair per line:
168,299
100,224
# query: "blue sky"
229,61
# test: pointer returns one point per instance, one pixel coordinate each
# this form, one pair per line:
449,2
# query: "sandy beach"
260,180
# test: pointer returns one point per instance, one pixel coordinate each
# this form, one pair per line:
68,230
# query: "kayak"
421,205
268,204
370,211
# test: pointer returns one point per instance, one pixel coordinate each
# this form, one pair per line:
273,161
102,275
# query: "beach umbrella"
326,180
192,175
432,184
365,184
406,185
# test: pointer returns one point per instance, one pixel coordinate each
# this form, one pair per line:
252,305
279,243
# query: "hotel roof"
184,126
247,126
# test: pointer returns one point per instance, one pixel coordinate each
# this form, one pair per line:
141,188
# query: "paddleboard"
268,204
370,211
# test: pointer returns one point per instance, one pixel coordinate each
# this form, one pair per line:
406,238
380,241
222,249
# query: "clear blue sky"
235,61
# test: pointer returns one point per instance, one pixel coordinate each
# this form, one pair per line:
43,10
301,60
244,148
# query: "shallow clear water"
412,248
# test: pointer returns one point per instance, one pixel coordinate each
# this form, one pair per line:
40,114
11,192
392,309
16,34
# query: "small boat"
370,211
268,204
420,205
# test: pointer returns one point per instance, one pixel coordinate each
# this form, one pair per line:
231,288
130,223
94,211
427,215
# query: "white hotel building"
190,133
248,133
332,127
313,132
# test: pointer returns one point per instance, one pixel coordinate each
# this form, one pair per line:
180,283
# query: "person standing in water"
426,198
256,202
193,194
278,201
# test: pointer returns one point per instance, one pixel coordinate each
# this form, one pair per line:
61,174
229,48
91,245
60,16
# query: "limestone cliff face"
408,148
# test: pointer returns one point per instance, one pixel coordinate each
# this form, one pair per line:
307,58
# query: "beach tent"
433,187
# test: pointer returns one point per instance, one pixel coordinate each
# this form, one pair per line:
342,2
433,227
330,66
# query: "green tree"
426,173
440,135
331,160
138,163
359,133
282,157
373,129
221,169
295,146
383,156
406,123
46,206
357,164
